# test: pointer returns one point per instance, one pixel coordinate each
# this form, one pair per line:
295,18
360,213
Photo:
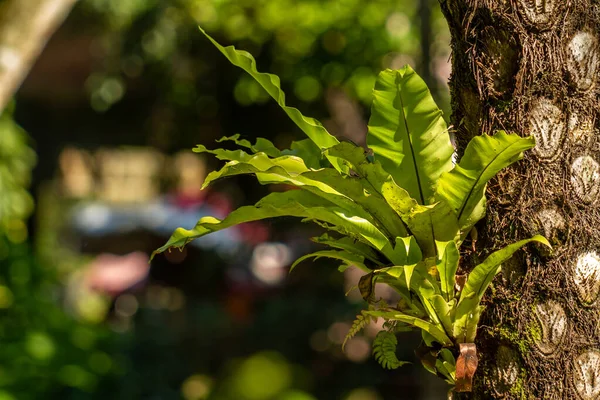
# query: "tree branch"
25,27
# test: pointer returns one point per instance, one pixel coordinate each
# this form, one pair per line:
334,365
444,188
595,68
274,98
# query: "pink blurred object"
111,274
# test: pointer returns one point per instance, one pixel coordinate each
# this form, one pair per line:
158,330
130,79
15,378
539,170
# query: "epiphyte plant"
400,213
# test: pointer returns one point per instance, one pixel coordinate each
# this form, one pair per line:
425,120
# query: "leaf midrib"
414,159
412,151
462,209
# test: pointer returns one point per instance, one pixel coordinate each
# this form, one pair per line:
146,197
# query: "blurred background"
96,171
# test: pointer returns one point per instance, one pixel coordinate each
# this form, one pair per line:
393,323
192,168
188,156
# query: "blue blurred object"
160,217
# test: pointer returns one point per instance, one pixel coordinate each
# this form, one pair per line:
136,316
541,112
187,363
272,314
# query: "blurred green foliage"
16,161
43,350
310,44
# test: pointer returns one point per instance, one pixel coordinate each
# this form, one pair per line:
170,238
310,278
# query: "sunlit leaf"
342,255
310,126
468,309
447,267
408,134
464,187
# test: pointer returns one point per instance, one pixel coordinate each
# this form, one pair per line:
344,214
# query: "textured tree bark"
532,67
25,27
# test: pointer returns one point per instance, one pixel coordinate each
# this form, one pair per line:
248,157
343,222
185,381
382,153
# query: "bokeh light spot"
262,376
6,297
307,88
196,387
40,346
363,394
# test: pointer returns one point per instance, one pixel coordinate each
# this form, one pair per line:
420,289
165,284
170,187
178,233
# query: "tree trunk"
531,66
25,27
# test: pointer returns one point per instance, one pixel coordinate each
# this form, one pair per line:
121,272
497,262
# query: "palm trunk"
532,66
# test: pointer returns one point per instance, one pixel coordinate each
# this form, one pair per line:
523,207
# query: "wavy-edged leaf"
261,145
408,134
308,151
342,255
430,328
224,155
468,309
310,126
447,267
356,189
288,167
384,350
371,177
295,203
405,255
482,275
464,187
329,182
349,244
426,223
415,216
399,272
395,278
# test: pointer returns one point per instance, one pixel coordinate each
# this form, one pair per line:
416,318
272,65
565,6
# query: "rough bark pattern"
25,27
532,67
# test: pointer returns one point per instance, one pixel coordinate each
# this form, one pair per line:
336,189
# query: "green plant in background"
399,211
16,161
41,343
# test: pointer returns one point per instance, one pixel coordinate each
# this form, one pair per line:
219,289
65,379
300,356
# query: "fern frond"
384,350
358,325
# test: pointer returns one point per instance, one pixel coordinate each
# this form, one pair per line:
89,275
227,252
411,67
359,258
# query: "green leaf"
308,151
225,155
442,311
350,245
262,145
464,187
310,126
408,134
466,320
468,309
327,183
356,189
373,179
346,257
295,203
435,305
347,192
397,272
482,275
430,328
447,267
288,167
406,254
442,368
384,350
427,224
449,363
